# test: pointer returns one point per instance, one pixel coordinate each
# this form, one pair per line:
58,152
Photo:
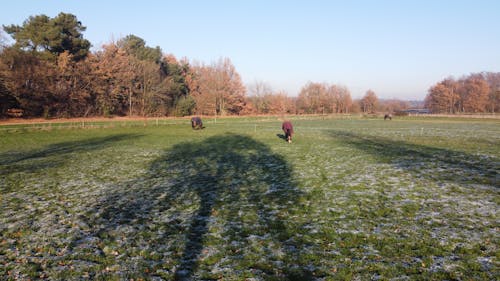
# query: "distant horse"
388,116
196,123
288,130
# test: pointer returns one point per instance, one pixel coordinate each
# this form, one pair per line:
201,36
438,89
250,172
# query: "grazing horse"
288,130
388,116
196,123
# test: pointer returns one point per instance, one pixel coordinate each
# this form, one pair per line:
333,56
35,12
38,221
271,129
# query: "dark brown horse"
388,116
196,123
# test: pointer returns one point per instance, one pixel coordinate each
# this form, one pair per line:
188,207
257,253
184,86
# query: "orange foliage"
471,94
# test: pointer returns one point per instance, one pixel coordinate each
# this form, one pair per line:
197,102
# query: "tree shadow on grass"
220,207
437,164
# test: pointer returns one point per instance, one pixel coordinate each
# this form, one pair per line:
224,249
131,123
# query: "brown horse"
196,123
388,116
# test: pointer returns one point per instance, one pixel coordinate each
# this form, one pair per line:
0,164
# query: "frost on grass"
408,200
354,204
190,214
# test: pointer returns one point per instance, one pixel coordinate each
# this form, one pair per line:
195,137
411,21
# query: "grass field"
349,199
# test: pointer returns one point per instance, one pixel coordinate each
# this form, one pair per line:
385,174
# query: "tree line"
49,71
474,93
319,98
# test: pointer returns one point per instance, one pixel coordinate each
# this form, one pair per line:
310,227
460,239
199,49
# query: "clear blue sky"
396,48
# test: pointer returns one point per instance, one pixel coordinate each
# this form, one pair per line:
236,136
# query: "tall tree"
114,75
259,92
493,80
369,102
312,98
324,98
136,47
23,78
341,100
444,97
280,103
159,83
72,88
218,88
474,94
176,88
51,37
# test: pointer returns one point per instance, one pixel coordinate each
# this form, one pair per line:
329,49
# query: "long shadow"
281,136
53,155
226,198
437,164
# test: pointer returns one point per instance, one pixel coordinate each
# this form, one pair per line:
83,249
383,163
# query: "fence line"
95,123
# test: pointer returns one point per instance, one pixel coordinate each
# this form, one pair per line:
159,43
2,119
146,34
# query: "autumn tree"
45,88
217,88
263,100
124,84
28,79
50,72
72,87
276,103
151,94
341,100
258,97
311,98
145,94
470,94
443,97
369,102
356,106
280,103
393,105
157,83
473,94
324,98
113,84
42,67
493,80
197,81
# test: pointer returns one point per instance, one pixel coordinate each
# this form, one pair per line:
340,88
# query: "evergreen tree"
51,37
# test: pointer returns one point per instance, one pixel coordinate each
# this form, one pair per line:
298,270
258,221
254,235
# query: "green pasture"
350,199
